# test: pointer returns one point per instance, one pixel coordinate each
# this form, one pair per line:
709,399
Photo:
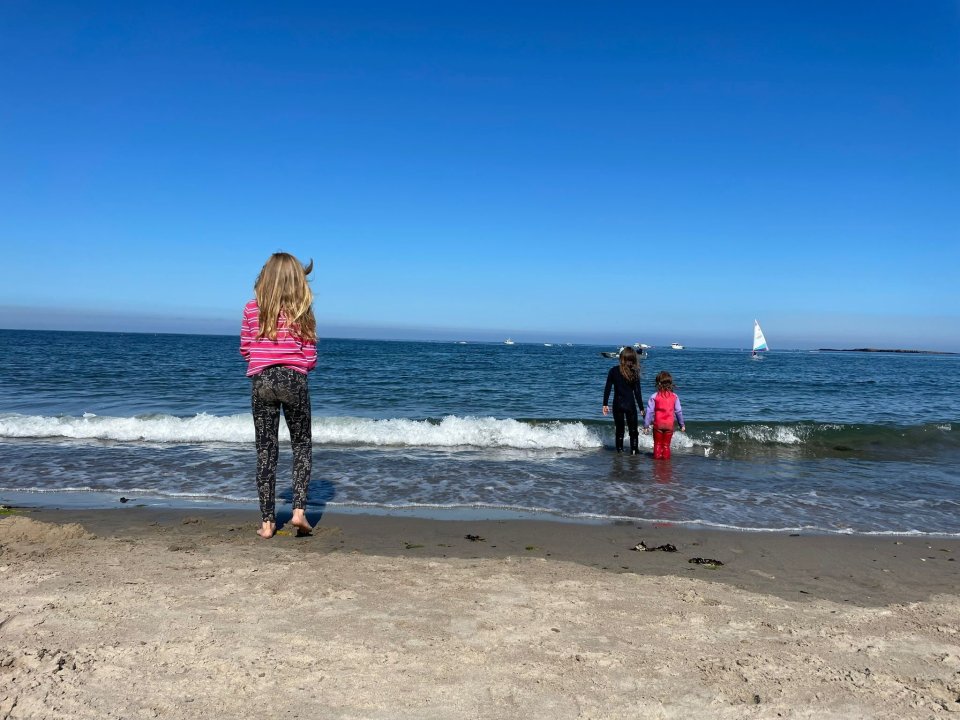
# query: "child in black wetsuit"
625,381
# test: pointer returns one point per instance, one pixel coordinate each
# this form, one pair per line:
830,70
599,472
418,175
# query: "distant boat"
460,342
508,341
759,341
642,346
641,354
548,344
676,346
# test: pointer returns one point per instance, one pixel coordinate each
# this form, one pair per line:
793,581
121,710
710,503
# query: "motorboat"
676,346
641,354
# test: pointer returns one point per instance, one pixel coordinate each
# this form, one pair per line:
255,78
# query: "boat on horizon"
641,354
676,346
508,341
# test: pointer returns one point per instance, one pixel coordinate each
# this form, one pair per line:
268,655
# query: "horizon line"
865,349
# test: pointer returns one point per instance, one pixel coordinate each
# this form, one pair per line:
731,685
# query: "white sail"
759,341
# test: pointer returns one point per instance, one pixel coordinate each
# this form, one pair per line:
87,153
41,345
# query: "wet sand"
138,612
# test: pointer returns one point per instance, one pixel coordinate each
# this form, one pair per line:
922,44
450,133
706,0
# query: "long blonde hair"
628,364
282,287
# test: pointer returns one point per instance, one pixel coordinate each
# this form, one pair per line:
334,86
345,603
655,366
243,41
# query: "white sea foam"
454,431
451,431
779,434
148,428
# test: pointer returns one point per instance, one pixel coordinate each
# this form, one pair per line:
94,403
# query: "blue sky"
605,172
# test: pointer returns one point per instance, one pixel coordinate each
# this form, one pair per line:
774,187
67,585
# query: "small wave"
454,431
774,434
712,439
144,428
812,439
451,431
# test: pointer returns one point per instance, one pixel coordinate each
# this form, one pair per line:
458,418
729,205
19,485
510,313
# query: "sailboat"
759,341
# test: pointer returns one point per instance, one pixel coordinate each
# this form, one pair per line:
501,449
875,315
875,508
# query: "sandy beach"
140,613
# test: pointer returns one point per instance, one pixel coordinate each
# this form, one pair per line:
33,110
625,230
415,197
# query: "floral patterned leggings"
274,388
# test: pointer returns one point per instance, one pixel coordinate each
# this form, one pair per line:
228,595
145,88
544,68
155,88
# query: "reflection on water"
663,472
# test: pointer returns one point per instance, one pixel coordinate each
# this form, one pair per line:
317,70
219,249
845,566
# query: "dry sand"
134,613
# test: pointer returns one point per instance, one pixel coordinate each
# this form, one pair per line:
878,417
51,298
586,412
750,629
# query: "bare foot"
299,521
267,530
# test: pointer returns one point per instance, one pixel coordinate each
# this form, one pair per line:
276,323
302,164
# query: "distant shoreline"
879,350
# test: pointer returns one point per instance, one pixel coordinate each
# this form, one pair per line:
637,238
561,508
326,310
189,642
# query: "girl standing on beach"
278,339
662,407
625,381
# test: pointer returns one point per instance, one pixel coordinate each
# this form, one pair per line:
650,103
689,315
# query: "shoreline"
863,570
94,502
187,613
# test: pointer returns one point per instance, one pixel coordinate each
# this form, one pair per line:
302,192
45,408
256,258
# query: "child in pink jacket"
662,407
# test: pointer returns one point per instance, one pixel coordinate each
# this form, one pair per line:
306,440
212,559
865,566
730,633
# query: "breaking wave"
810,439
712,439
451,431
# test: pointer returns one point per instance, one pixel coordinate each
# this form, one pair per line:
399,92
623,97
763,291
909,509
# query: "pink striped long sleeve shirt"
287,350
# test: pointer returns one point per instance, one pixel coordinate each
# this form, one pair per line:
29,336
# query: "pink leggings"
661,443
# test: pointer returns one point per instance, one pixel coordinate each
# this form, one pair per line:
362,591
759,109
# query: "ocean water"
798,441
